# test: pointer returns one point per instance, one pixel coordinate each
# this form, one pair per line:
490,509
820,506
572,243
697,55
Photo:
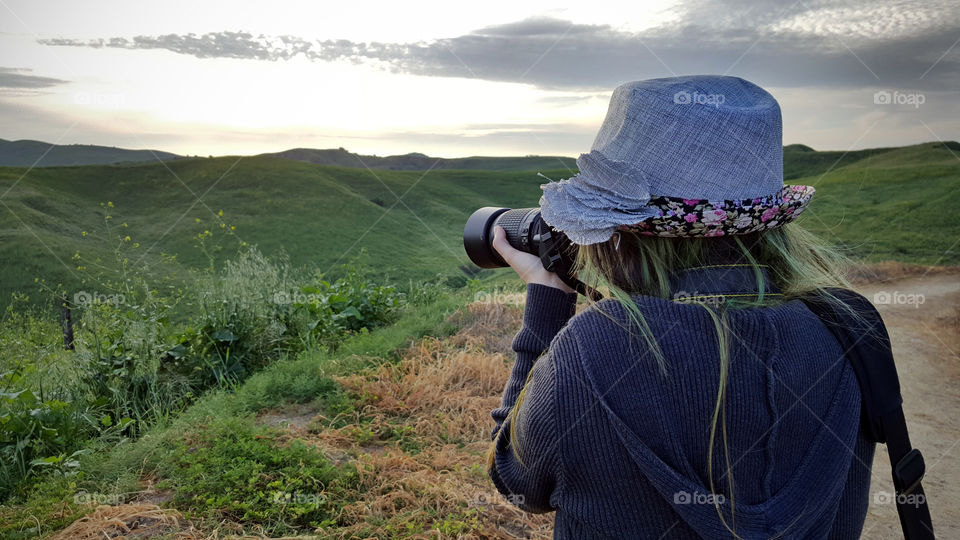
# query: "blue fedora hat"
696,155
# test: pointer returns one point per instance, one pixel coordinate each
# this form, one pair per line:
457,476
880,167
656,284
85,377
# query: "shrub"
135,365
350,304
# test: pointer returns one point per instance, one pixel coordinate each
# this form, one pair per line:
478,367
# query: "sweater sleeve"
547,311
528,482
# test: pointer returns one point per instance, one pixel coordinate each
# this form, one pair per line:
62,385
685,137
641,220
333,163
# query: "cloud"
210,45
18,79
825,43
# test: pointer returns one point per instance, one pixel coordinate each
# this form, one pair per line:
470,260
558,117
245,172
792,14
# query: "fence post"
66,322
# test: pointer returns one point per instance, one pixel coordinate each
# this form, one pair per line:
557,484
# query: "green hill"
800,161
320,215
892,204
882,203
28,153
415,161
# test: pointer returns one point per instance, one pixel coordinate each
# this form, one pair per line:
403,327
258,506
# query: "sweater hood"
803,507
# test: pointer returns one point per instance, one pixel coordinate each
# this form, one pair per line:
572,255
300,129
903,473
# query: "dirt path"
923,319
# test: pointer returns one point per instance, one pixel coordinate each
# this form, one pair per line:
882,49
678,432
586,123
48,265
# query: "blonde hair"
799,263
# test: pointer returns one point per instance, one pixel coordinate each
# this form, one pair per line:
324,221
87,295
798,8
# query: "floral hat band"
698,217
666,166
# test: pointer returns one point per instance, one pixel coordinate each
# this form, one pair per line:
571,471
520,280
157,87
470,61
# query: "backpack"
866,346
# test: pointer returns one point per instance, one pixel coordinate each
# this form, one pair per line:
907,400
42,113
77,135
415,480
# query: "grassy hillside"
26,153
800,161
894,204
319,215
885,203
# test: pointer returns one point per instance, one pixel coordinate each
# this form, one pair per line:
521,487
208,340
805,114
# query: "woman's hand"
526,265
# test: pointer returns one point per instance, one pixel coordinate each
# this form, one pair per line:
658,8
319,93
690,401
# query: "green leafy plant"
352,303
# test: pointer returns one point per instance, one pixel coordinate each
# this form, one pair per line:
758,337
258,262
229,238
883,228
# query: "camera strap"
557,255
867,348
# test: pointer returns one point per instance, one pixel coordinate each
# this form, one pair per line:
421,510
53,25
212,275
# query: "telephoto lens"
526,231
522,225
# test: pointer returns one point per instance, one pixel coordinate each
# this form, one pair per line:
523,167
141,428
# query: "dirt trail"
923,320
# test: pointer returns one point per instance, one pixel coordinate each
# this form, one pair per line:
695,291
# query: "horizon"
504,80
203,155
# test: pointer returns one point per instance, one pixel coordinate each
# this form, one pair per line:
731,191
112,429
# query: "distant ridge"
26,153
415,161
799,160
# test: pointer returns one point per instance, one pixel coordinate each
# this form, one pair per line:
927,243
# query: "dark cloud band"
20,79
557,54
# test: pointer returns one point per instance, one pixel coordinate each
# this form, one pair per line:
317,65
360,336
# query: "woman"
701,399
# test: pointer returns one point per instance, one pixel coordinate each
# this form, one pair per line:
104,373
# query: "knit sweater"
618,449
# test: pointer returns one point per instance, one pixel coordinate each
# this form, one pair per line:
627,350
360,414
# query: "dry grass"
427,421
129,521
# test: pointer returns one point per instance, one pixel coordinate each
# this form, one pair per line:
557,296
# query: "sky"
452,79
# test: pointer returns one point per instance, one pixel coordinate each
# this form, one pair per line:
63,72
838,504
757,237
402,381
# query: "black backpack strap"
866,345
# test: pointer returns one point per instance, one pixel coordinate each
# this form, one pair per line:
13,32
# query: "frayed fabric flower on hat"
603,195
665,166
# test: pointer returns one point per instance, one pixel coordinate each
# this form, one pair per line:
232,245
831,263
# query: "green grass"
236,470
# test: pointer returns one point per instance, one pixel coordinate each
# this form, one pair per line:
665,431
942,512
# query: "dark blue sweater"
619,450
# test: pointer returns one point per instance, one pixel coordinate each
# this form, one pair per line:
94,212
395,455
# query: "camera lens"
520,224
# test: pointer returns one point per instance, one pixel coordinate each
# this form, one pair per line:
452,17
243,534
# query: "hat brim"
699,217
